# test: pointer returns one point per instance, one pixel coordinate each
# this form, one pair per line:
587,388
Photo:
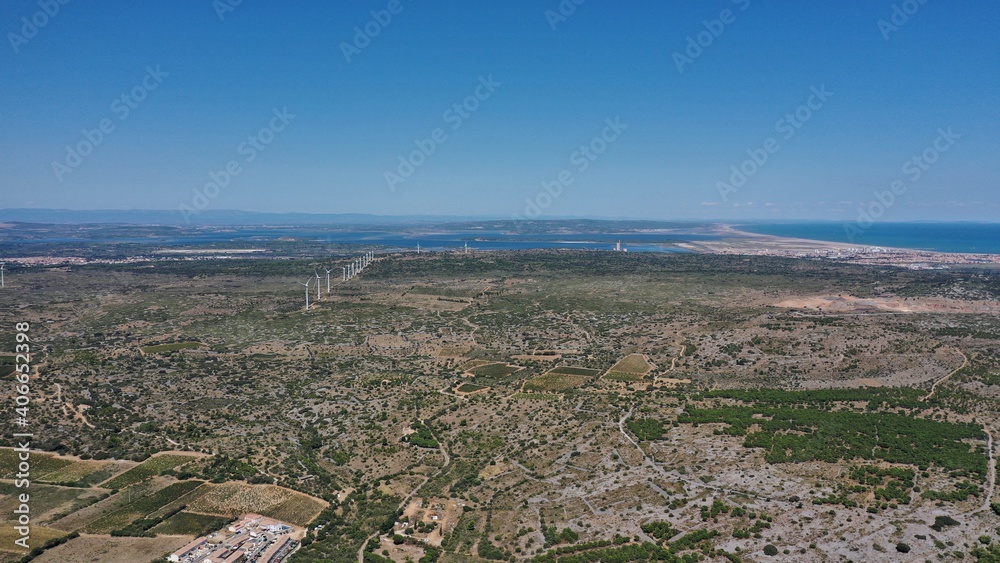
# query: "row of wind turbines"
350,271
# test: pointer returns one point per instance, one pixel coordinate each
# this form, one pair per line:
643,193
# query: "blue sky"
555,83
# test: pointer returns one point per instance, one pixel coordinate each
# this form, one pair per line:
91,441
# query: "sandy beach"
735,242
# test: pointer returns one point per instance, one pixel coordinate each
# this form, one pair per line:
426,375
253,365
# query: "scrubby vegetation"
355,401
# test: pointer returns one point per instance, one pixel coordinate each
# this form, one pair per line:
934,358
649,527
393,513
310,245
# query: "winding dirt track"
652,464
409,497
992,476
945,378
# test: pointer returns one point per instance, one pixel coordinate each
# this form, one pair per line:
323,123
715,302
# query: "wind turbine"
328,280
2,284
345,272
418,248
307,291
317,285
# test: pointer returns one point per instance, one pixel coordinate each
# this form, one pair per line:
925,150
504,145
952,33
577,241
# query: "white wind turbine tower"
328,279
307,291
418,248
317,285
345,272
2,282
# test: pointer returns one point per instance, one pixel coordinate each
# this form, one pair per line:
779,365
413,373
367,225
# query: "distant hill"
222,217
211,217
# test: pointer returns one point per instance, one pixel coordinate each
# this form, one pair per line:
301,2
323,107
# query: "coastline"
733,241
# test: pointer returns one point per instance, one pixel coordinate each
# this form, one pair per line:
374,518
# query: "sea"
979,238
478,239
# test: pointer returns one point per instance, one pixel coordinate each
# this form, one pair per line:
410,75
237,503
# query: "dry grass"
104,549
39,535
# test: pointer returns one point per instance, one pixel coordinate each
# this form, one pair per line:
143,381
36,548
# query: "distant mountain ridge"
211,217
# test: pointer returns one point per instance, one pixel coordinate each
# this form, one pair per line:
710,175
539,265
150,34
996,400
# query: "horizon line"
475,217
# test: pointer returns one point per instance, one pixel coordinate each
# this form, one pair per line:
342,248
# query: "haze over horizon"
730,110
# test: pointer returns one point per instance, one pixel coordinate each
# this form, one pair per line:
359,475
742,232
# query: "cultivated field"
633,367
153,466
555,382
80,519
49,503
142,507
495,370
190,524
233,499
